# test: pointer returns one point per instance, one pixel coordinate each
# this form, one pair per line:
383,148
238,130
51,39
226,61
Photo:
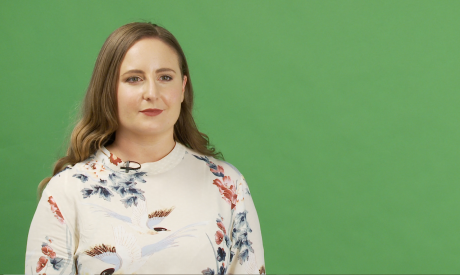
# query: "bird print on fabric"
127,256
140,220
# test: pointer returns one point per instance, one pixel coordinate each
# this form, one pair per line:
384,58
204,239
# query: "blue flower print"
244,256
221,254
228,242
81,177
222,269
129,201
240,236
244,245
231,255
116,178
241,220
123,186
138,176
57,263
217,170
97,189
242,239
128,187
208,271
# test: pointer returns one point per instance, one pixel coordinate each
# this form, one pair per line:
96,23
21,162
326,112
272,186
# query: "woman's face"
150,90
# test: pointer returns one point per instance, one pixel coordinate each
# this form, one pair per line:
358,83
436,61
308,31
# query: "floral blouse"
186,213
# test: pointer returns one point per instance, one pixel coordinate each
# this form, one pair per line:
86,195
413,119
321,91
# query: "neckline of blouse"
167,163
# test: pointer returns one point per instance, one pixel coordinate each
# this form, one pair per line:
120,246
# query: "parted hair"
99,114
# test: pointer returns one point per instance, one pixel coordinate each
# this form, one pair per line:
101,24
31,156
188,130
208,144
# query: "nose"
150,91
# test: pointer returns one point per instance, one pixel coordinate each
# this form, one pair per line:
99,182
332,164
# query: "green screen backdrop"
342,115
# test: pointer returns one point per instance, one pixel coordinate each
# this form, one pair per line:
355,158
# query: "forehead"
150,54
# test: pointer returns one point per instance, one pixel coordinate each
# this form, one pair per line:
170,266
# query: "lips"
151,112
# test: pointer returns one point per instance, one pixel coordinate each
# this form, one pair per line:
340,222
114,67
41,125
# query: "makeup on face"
152,112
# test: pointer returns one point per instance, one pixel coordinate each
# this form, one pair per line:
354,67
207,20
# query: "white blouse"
186,213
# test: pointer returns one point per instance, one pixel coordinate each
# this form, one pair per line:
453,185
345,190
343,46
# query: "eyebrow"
142,72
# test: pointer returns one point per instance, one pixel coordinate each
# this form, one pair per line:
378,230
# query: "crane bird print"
127,256
140,220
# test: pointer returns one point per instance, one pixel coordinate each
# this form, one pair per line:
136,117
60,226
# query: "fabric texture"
186,213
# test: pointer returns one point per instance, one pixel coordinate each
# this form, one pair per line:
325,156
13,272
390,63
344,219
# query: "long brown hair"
99,118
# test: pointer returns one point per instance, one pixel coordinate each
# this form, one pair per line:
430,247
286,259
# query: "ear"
184,82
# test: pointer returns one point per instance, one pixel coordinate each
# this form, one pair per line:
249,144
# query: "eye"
133,79
165,78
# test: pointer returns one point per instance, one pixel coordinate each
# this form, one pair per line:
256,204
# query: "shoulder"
64,181
217,167
58,181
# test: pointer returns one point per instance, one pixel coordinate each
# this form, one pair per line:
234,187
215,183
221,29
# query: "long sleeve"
51,240
247,251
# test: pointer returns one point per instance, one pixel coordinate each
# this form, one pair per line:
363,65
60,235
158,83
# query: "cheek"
126,101
173,98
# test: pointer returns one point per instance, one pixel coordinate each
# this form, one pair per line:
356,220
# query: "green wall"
342,115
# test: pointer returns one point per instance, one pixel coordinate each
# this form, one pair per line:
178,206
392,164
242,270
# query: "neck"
141,149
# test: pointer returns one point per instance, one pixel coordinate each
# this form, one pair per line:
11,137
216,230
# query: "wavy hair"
99,115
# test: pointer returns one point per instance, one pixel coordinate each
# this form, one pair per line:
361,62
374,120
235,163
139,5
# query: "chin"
156,132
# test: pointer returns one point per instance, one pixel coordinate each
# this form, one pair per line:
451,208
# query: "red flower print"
55,210
222,227
114,159
219,170
41,263
227,180
228,193
219,237
48,251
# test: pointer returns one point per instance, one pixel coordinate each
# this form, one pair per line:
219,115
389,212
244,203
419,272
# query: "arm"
247,253
51,240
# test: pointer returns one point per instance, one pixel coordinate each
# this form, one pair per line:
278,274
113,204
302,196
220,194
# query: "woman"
140,190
